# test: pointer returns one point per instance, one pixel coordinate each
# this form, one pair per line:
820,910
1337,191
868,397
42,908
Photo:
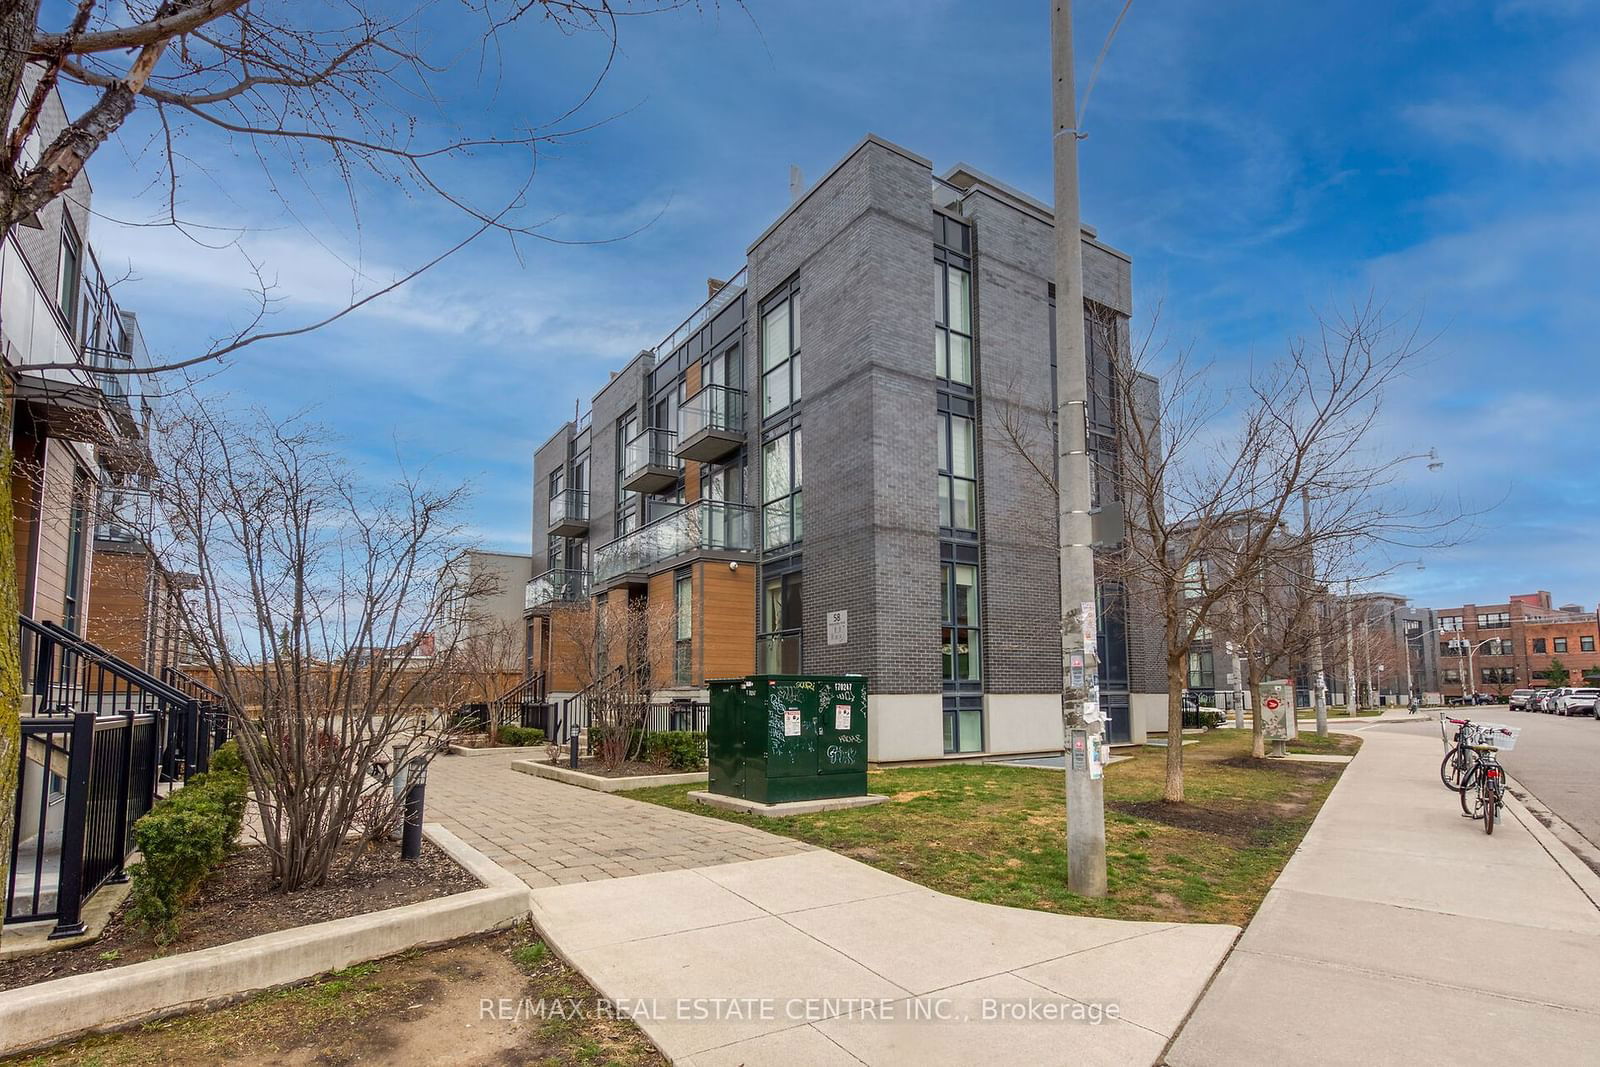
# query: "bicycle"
1486,782
1458,759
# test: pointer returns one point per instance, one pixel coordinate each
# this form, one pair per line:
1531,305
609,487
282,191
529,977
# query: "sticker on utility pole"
791,722
838,627
841,717
1091,711
1077,671
1097,760
1091,629
1080,750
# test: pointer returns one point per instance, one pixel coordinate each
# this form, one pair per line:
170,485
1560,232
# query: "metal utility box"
774,738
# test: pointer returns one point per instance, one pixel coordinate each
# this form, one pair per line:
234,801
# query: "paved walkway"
735,946
548,834
1400,933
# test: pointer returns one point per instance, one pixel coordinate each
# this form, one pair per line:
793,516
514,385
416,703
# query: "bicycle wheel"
1453,767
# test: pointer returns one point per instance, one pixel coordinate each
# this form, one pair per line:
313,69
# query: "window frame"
948,477
788,627
683,628
785,298
952,629
789,503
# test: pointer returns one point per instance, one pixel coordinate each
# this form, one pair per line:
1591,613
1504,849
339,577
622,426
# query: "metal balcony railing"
702,526
558,585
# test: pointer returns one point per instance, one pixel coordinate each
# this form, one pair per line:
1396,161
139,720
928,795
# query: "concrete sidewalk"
1400,933
817,959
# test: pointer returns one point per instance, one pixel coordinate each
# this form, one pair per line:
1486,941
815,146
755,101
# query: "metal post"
1080,690
1319,695
572,745
120,875
411,840
1350,703
74,822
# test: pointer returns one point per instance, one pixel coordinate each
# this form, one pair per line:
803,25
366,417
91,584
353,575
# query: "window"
780,491
70,274
1202,671
1499,675
627,503
1453,675
958,471
1538,646
1560,644
778,646
1450,622
1585,644
780,356
75,551
959,632
683,657
1497,646
952,333
1488,620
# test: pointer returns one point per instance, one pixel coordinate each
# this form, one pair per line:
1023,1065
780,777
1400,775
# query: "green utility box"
774,738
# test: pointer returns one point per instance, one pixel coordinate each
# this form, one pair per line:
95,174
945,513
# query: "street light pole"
1319,696
1080,686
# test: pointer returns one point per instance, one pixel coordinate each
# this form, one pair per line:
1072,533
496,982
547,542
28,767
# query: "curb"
54,1011
1555,839
568,776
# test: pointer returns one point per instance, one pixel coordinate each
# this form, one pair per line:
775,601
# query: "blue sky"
1257,160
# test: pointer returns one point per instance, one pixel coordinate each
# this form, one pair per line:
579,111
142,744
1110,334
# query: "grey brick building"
913,544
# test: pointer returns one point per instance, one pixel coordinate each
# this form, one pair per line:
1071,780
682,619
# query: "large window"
780,356
1499,675
1560,644
69,272
76,547
1450,622
958,634
627,503
1538,646
1202,670
1493,619
952,334
780,491
1585,644
958,472
683,656
779,641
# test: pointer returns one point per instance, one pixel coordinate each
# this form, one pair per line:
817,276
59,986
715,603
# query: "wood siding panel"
726,629
55,530
120,609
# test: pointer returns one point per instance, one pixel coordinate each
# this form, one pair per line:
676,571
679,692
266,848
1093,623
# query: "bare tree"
1210,478
316,604
485,663
617,652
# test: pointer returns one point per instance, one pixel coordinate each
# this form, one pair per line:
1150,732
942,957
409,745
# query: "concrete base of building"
792,807
909,727
1148,712
905,726
599,782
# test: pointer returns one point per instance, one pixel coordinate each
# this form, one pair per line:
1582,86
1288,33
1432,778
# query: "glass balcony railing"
650,462
554,587
711,423
701,526
569,508
124,514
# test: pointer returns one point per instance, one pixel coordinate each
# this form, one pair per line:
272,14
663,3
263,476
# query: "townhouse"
810,474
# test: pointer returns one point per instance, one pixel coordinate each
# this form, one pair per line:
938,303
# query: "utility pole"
1319,695
1080,686
1350,705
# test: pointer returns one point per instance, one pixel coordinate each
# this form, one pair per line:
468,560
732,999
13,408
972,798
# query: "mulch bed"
629,768
237,901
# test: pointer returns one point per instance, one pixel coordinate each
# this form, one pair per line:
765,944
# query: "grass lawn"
996,833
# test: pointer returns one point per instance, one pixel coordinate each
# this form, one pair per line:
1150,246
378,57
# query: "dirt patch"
912,794
1218,821
1315,772
419,1007
237,901
628,769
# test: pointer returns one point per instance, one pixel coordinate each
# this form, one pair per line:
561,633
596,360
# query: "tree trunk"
1258,732
10,658
1176,668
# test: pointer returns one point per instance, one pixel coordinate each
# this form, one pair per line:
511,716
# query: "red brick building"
1513,645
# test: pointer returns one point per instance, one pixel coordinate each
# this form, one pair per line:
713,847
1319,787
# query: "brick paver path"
548,833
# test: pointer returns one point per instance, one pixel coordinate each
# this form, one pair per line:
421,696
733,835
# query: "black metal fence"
99,736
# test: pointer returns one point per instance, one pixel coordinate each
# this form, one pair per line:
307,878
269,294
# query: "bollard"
411,839
572,759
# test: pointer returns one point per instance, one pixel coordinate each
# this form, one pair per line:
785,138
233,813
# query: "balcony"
124,515
569,513
705,528
711,424
557,586
649,464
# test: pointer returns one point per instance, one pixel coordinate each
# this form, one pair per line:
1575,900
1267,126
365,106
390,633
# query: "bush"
683,750
521,735
183,839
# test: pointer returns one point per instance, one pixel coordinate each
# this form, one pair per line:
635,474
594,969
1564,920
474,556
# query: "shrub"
683,750
521,735
183,838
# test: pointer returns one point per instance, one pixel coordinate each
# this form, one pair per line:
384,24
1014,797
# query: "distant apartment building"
1495,648
77,429
1396,651
808,474
490,587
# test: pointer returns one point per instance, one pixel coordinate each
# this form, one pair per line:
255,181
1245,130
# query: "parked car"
1541,700
1520,698
1576,701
